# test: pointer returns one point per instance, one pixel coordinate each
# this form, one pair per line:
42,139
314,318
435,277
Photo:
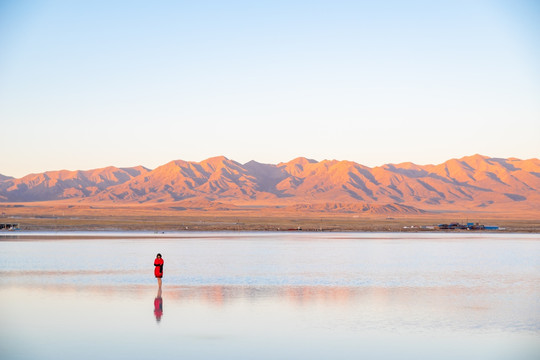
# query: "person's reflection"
158,305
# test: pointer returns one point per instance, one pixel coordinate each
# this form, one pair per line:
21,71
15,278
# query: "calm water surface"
270,296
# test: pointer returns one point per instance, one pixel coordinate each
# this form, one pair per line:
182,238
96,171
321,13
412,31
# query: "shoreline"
195,235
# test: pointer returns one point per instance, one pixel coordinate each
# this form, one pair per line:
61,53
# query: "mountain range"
472,183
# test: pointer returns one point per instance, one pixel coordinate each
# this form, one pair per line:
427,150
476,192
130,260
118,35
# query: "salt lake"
270,295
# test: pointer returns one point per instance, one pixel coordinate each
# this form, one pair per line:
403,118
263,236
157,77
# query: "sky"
89,84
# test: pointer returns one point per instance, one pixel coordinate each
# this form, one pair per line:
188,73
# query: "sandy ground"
66,217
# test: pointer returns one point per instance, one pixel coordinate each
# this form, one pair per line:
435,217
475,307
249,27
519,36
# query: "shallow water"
284,295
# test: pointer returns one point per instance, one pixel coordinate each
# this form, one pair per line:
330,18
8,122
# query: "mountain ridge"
474,182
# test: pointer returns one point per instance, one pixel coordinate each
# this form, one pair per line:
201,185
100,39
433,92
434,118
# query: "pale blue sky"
87,84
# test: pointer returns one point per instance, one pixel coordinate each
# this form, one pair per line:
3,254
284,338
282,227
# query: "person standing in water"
158,269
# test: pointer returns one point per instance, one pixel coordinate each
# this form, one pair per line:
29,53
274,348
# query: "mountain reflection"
221,295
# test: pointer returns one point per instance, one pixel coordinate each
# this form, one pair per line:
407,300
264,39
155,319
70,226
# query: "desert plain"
51,216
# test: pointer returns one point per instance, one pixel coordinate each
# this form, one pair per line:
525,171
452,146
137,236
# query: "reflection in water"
246,322
225,294
450,307
158,305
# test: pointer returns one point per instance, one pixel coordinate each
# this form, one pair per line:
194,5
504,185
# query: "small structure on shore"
9,227
468,226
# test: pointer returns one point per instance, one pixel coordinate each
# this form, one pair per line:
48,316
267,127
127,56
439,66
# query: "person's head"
158,256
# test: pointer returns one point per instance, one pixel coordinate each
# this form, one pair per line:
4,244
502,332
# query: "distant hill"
478,183
60,185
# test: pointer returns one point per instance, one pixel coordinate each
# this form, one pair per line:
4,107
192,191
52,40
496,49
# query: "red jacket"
158,270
